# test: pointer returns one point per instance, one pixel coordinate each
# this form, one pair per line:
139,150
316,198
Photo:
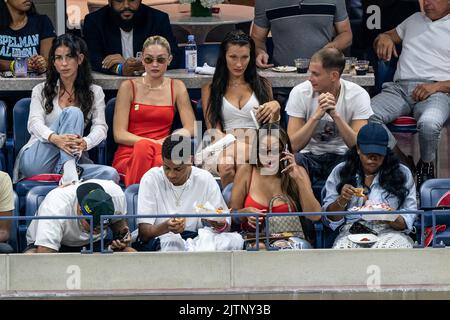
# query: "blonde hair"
157,40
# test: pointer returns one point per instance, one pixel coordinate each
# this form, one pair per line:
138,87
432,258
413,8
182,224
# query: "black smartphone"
121,236
358,228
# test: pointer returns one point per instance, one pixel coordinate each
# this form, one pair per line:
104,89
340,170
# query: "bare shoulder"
178,85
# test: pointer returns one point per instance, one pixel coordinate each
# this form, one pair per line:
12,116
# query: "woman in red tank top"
144,113
275,174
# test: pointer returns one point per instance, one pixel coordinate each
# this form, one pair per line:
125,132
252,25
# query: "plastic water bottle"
191,54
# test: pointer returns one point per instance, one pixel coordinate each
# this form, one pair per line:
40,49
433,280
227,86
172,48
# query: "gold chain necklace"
177,196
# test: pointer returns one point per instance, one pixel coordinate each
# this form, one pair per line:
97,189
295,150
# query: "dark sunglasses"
160,60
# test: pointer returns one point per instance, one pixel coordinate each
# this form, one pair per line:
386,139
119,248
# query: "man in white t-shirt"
421,84
91,198
173,189
325,114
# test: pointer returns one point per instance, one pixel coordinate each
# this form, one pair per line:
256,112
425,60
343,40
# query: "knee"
73,112
429,127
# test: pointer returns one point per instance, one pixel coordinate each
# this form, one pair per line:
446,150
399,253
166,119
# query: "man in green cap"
91,198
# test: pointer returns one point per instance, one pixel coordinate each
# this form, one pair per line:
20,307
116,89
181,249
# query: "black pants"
318,167
154,244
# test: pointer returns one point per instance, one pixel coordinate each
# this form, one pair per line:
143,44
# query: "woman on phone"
228,102
386,184
275,177
60,110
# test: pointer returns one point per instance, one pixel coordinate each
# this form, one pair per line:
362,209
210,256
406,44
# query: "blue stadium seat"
3,124
34,199
131,196
19,139
14,223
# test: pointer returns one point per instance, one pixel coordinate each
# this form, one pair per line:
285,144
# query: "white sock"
70,172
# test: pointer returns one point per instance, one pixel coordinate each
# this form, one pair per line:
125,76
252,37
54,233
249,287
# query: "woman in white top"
235,92
60,110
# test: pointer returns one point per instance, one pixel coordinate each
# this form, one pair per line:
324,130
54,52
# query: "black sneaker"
425,171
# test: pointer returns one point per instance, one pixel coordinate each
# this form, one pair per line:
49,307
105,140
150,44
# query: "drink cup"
302,65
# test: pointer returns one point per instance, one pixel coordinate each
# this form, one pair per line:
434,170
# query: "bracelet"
340,204
119,69
11,65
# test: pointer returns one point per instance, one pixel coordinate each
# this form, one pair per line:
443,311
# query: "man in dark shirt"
115,33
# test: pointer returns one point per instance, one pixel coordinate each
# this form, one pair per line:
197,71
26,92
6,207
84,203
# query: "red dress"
148,121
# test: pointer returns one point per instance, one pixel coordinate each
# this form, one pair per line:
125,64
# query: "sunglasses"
160,60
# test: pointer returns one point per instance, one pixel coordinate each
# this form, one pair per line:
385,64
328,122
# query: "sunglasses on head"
160,60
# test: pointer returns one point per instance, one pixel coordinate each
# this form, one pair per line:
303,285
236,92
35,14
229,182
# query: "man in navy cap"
92,198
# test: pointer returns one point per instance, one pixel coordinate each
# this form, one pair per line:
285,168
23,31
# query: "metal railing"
231,215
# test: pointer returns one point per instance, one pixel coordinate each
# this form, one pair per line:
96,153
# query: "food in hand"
359,192
373,207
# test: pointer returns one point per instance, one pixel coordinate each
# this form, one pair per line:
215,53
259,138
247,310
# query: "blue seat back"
131,196
430,193
13,228
21,135
3,124
111,146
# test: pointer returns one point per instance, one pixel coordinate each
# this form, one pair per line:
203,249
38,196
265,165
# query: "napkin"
205,69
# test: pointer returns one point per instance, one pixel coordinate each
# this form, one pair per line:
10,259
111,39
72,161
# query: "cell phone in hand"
122,236
358,228
285,162
255,121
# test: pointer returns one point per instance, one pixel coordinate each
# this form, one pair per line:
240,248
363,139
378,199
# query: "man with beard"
116,32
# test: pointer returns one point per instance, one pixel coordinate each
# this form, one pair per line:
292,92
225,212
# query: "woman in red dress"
144,113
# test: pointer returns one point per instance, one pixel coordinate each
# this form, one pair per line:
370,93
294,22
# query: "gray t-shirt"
299,31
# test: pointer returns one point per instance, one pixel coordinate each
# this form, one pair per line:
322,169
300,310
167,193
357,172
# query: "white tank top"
233,118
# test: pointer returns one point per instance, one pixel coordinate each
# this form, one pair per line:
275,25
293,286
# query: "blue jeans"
45,157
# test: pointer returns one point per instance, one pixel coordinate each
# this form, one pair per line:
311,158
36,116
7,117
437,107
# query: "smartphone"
286,149
255,121
122,236
358,228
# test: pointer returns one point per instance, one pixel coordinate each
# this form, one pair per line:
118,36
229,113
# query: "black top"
26,41
103,36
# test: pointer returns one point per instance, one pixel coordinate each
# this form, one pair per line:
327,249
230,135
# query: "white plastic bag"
208,240
172,242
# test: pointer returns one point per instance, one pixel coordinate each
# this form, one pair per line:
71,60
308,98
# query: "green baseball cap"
94,201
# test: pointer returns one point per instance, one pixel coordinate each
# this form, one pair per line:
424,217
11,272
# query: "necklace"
177,196
236,83
150,87
70,98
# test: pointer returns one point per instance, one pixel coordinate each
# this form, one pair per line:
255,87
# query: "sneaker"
425,171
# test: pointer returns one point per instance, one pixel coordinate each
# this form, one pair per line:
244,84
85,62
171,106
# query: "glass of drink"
361,67
302,65
349,64
21,67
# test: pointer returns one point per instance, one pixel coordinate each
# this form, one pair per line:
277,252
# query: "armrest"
10,146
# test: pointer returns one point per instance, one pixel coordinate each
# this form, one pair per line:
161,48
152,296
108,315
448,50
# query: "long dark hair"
5,15
392,179
259,85
288,185
83,81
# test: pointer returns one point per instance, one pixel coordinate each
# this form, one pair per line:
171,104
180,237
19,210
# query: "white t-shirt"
127,44
63,202
425,49
353,104
158,196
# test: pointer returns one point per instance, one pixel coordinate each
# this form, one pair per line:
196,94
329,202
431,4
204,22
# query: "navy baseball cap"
373,138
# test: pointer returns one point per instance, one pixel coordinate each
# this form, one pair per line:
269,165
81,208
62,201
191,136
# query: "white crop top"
235,118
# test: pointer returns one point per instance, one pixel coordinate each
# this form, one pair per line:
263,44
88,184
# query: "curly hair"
83,81
258,84
392,178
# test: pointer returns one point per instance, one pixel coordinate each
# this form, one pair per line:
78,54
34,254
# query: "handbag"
280,224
